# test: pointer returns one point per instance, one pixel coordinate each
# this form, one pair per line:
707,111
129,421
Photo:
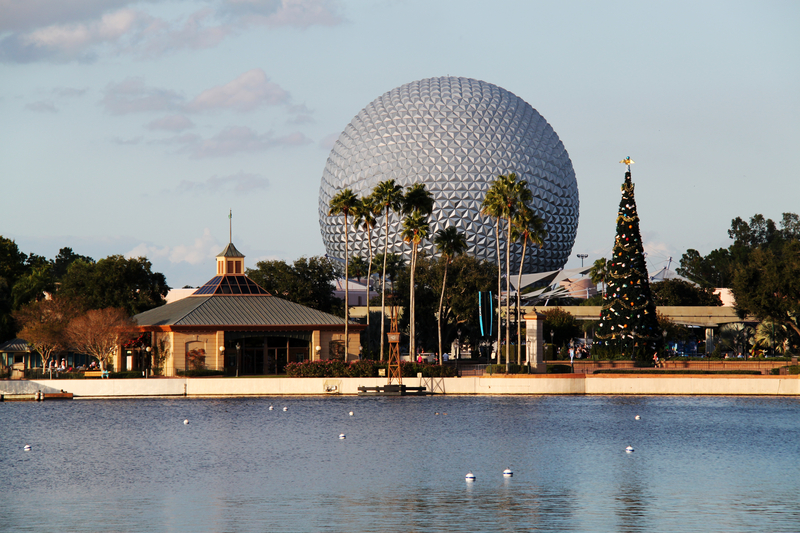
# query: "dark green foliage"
465,278
559,369
562,324
513,368
362,369
115,281
628,323
308,281
198,373
678,292
658,371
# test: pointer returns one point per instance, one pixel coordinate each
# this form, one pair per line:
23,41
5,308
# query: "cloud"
328,141
74,40
238,139
296,13
80,30
43,106
133,96
69,92
171,123
245,93
200,251
241,183
126,142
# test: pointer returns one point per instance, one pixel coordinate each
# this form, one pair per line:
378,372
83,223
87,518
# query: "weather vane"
628,161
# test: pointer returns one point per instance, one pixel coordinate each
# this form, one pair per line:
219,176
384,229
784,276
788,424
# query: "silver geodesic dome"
455,135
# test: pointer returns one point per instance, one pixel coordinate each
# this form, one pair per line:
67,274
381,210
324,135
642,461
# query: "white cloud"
200,251
328,141
237,139
297,13
245,93
48,30
43,106
132,96
241,183
171,123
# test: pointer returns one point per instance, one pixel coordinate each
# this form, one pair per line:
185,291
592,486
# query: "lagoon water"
722,464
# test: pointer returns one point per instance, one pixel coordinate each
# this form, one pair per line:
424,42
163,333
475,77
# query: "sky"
135,127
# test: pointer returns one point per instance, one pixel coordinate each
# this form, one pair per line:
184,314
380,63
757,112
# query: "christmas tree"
628,323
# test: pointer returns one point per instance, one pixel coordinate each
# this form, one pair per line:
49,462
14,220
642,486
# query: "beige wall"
539,384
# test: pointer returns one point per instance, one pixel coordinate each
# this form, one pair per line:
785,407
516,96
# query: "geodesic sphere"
455,135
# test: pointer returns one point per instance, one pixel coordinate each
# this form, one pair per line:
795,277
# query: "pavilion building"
233,324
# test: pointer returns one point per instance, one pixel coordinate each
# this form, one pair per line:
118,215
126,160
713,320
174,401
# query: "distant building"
358,292
233,324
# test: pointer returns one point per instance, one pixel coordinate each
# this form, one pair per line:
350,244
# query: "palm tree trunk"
441,301
508,295
499,288
346,292
383,282
412,341
369,276
519,282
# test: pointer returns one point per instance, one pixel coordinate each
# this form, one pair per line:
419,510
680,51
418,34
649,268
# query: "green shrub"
559,369
195,373
513,368
674,371
362,369
130,374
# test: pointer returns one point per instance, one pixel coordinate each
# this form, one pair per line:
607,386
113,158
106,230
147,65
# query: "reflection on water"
701,464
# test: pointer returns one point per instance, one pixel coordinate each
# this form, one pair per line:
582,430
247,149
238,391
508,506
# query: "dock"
393,390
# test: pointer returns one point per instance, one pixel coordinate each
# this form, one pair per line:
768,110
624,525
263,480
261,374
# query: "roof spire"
230,227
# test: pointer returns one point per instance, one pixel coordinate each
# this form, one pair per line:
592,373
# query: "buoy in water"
186,422
342,436
271,408
285,408
507,473
629,449
27,447
351,413
637,417
470,476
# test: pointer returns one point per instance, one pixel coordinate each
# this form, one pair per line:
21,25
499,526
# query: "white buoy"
470,476
637,417
351,413
27,447
186,422
507,473
629,449
342,436
271,408
285,408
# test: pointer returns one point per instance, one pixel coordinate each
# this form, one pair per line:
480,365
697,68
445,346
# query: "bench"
96,374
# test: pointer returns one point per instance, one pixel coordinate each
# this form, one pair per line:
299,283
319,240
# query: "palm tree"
344,203
450,242
507,198
528,227
417,206
389,196
598,272
365,217
493,206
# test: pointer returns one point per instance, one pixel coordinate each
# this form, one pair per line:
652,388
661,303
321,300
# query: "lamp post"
147,362
238,357
552,347
222,355
582,257
458,351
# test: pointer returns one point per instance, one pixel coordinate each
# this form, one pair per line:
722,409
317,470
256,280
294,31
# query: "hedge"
199,373
674,371
363,369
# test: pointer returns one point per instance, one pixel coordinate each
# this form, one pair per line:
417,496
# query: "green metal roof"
235,310
230,251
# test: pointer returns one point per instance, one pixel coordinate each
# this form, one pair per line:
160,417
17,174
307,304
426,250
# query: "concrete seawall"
550,384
